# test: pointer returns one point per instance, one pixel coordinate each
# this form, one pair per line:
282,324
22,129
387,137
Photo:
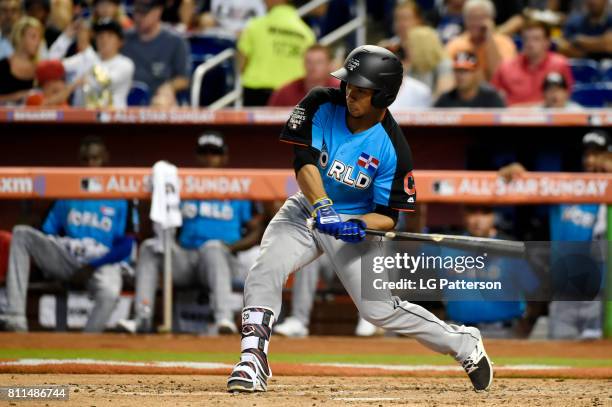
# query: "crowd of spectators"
109,47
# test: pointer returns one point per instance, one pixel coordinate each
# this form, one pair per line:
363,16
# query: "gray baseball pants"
56,263
208,266
288,245
572,319
305,286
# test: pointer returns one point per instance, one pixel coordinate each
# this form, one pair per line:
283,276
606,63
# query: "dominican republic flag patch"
367,161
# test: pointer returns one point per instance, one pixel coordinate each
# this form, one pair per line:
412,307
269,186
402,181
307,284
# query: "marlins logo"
324,157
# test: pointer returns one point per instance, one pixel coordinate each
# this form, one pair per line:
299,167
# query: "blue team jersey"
516,277
213,219
100,220
359,170
573,222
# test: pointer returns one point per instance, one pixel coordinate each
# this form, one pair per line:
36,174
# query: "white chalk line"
212,366
163,364
435,368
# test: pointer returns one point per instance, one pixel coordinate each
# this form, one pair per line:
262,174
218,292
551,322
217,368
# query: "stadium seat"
606,71
139,95
219,80
204,46
585,71
593,95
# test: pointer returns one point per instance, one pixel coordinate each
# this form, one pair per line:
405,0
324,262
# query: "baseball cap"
211,141
144,6
596,140
465,60
554,79
49,70
108,24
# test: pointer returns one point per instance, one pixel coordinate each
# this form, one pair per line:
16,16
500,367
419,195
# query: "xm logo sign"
16,185
342,173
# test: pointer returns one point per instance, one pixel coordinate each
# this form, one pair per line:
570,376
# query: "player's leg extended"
303,292
563,320
464,344
148,269
214,270
287,245
48,254
105,288
147,277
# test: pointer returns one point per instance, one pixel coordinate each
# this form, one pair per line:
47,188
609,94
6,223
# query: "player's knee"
148,246
147,249
21,233
107,293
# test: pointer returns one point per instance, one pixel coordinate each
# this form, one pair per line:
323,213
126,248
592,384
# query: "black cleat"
479,368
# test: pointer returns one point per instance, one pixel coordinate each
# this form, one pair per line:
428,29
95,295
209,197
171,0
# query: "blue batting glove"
326,220
352,231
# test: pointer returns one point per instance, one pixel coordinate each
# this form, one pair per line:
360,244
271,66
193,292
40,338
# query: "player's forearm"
601,43
566,48
176,84
15,96
121,249
512,26
310,182
494,59
378,221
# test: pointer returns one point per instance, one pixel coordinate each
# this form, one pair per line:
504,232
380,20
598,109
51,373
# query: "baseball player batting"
354,169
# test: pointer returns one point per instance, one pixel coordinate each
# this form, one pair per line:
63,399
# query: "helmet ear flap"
380,99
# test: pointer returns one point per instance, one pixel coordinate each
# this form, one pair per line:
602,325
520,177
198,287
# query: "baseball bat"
495,246
498,246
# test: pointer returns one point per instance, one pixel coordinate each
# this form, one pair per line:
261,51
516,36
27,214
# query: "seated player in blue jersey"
80,239
205,253
495,317
354,168
575,223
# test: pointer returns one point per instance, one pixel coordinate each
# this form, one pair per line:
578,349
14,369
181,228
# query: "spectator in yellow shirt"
271,50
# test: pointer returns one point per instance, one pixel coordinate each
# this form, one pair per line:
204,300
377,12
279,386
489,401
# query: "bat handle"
389,234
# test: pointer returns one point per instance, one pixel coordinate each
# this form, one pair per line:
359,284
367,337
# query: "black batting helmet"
375,68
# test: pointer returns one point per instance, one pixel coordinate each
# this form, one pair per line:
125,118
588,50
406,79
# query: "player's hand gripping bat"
488,245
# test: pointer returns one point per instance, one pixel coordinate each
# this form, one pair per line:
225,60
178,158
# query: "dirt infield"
182,370
298,391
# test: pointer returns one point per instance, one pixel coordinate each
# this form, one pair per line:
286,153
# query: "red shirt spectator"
317,65
293,92
521,78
